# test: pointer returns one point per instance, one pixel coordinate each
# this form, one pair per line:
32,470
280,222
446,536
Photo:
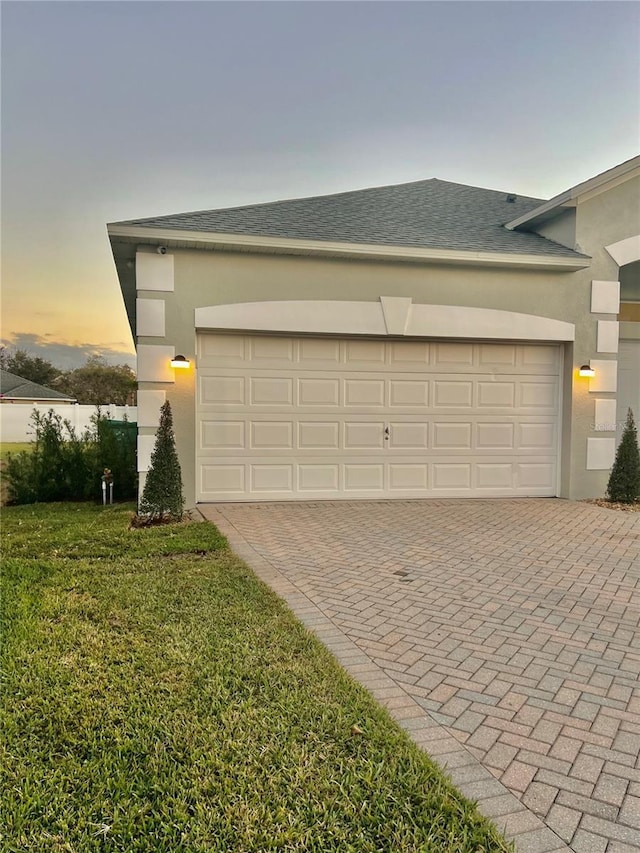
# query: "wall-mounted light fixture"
179,361
586,370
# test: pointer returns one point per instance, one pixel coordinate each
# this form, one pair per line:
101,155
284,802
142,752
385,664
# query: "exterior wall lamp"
179,361
586,370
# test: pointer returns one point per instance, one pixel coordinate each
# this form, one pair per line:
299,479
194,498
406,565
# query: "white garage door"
283,418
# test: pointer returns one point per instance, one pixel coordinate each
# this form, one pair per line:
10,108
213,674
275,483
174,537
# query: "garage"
283,417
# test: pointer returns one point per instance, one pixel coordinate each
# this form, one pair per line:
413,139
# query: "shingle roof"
14,387
428,214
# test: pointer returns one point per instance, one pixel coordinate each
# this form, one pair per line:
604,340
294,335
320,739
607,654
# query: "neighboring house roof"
14,387
430,214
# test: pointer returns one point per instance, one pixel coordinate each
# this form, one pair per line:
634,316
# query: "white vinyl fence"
16,423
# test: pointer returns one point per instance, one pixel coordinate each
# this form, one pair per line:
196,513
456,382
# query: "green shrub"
20,478
64,466
624,480
162,493
57,468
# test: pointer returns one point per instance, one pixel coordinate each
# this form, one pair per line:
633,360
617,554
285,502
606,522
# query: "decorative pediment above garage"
391,315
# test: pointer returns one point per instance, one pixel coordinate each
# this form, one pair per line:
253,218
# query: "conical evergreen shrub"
624,480
162,493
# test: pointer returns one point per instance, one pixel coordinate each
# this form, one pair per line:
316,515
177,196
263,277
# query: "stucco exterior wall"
207,278
561,229
204,278
602,219
606,218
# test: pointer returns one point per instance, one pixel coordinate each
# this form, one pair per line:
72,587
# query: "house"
15,389
419,340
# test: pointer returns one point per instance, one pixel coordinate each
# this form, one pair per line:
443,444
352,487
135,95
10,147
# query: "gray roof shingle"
426,214
14,387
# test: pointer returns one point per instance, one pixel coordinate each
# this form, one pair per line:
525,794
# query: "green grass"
7,447
157,697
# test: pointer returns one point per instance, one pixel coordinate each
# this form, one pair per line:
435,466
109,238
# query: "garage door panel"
271,391
318,478
274,351
305,418
533,436
272,477
453,354
364,392
494,475
404,436
313,435
408,477
452,475
222,348
220,478
409,393
495,395
537,395
409,354
493,436
319,352
364,477
451,394
448,435
360,435
222,390
366,353
222,435
490,355
276,435
536,475
318,392
542,359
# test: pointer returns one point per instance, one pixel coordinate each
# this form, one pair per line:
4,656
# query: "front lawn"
7,447
157,697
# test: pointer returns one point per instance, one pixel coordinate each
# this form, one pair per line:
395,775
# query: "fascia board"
284,245
540,213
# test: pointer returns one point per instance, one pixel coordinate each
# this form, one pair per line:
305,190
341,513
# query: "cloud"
67,356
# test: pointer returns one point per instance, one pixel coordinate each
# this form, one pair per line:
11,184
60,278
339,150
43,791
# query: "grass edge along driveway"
158,697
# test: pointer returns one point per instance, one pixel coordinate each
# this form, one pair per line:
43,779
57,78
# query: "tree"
30,367
624,480
97,383
162,493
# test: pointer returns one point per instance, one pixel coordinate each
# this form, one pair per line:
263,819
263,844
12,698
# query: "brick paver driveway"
503,635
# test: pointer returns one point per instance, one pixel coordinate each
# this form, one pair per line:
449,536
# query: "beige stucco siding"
208,278
601,220
607,218
561,229
218,278
211,278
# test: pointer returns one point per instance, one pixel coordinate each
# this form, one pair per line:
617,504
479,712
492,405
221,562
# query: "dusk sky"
122,110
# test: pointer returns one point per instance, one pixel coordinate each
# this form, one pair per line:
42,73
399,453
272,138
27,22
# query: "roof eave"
213,241
569,198
542,214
